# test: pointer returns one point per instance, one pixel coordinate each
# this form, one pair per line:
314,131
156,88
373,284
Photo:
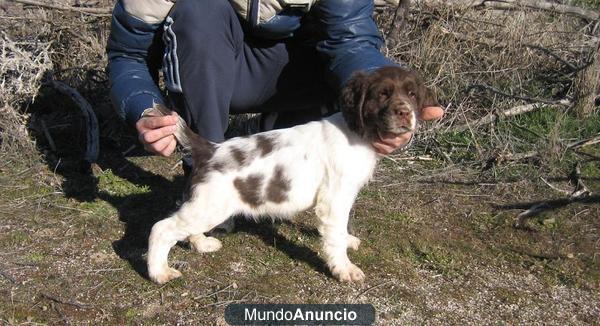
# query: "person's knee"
205,15
204,26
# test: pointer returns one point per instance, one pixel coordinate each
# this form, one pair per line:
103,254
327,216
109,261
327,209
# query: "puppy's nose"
401,109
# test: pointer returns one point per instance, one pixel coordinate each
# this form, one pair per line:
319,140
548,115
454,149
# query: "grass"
438,242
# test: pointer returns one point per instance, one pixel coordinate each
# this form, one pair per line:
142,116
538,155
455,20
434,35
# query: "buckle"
303,5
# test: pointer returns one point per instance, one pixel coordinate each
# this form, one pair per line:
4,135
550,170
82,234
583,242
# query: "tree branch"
102,12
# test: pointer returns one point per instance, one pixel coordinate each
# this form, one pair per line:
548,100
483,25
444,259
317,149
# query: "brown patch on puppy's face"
385,101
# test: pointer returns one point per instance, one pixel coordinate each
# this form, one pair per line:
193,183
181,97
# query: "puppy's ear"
428,97
352,100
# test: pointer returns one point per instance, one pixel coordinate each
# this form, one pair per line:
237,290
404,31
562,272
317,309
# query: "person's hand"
156,133
386,145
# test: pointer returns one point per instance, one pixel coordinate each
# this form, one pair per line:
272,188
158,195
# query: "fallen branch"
582,143
562,191
492,117
397,21
92,139
493,43
67,302
521,156
534,210
107,11
579,193
102,12
515,4
518,97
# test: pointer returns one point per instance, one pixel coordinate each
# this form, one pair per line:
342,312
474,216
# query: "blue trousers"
214,66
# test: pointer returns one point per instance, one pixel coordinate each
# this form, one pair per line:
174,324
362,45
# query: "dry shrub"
72,47
465,53
22,67
522,52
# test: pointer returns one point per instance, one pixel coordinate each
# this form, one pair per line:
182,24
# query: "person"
286,59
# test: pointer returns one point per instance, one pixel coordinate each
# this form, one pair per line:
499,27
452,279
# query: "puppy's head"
384,102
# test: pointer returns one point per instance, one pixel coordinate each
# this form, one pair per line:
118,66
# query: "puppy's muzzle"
401,118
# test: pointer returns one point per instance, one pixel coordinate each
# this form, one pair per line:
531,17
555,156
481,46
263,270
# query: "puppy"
320,165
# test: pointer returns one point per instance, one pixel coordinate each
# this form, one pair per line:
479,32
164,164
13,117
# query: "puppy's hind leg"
202,243
163,236
353,242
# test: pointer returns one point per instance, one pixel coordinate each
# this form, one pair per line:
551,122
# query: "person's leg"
207,58
297,92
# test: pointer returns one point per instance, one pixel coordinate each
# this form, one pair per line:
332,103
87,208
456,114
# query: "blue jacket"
350,42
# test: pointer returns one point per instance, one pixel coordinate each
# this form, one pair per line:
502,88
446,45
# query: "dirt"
435,249
439,245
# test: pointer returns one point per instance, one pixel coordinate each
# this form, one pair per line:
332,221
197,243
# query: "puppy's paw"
348,273
203,243
165,276
353,242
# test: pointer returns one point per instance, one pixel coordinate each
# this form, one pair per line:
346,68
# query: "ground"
439,245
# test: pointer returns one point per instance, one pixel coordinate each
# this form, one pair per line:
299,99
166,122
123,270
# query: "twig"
69,302
492,117
580,191
397,21
372,288
493,43
515,4
101,270
92,144
516,157
585,142
102,12
546,6
535,209
592,156
8,277
214,293
518,97
521,156
564,192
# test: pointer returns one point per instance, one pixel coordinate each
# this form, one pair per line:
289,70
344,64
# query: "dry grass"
436,221
486,61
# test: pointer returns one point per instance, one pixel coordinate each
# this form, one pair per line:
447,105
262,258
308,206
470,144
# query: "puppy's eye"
412,94
384,94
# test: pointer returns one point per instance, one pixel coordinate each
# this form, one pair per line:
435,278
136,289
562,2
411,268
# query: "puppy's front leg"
333,215
163,236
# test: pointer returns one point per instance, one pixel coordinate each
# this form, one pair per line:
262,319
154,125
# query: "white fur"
326,165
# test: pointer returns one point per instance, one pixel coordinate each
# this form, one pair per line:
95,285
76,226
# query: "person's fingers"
156,122
383,148
160,145
385,145
431,113
167,151
154,135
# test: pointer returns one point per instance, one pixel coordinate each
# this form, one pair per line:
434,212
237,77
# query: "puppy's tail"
188,139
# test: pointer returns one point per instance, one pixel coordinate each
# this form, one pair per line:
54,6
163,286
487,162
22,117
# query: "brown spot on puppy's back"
278,186
218,166
239,156
250,189
264,144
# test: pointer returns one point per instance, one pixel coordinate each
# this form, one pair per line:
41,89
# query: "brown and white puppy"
320,165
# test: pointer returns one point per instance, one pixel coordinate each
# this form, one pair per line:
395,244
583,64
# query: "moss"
117,186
